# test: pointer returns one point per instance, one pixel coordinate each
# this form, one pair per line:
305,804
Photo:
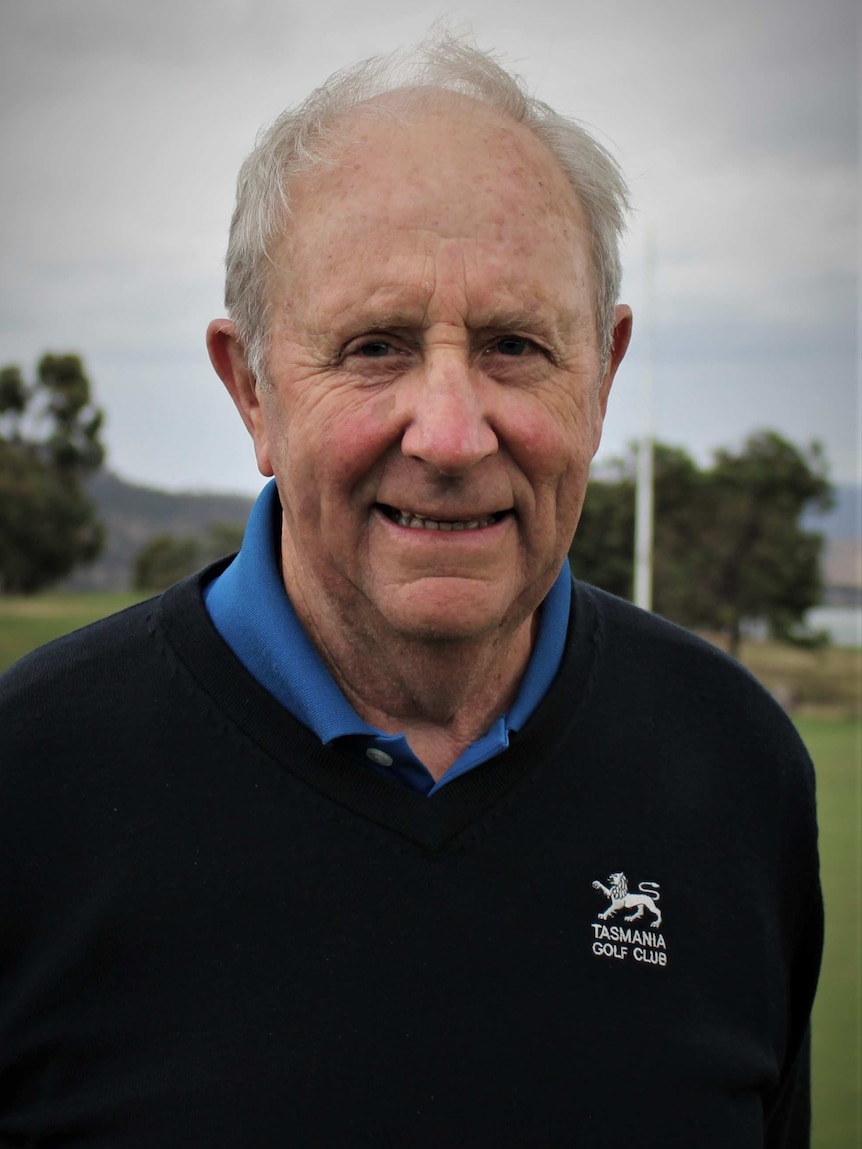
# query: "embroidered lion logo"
617,891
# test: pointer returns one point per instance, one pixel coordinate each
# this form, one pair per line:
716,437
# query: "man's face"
435,395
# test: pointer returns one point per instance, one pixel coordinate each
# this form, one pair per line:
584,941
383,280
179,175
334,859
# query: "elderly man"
387,833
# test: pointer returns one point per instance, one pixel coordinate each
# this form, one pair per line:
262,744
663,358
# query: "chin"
448,614
440,630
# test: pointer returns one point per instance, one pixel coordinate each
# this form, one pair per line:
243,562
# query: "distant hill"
132,515
844,520
841,528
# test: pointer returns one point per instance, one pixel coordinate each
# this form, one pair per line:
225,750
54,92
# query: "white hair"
303,136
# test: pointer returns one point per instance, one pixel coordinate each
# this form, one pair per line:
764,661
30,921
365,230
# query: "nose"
447,421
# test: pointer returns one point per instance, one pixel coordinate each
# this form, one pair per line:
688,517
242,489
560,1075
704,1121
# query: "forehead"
442,178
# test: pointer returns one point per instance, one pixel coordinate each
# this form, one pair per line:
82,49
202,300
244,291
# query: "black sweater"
216,932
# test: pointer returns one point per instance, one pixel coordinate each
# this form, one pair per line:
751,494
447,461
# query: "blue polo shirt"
250,609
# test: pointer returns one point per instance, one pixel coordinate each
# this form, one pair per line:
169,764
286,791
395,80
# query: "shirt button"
379,756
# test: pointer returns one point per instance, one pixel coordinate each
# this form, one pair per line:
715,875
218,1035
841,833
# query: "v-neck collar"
430,822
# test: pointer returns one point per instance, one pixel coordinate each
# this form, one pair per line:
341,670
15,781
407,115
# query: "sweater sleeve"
788,1126
788,1118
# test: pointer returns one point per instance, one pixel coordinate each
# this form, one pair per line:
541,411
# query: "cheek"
333,453
555,444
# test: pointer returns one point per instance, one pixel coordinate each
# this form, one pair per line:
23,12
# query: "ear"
619,345
227,356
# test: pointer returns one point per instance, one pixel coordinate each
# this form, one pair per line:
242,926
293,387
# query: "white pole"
644,487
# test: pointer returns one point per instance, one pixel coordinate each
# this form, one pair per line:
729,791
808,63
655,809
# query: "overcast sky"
123,126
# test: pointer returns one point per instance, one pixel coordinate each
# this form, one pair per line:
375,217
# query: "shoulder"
55,699
79,649
663,656
79,657
94,680
678,723
687,694
114,650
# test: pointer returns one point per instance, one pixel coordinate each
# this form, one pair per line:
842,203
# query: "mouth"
416,522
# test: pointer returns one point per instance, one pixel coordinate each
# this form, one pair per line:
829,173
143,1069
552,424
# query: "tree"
49,443
222,539
603,549
602,552
762,563
166,558
728,542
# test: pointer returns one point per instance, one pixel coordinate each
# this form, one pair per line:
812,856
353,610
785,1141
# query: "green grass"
836,748
26,623
825,683
820,683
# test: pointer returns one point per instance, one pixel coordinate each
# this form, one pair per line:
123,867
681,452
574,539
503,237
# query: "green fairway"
26,623
835,745
836,748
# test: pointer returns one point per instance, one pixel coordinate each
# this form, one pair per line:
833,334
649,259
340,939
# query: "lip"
464,530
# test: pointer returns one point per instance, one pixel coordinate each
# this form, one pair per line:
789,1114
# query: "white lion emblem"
621,899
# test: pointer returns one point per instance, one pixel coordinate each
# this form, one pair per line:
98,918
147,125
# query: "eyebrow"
529,319
522,318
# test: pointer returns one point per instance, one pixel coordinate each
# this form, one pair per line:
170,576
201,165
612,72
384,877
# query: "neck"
442,695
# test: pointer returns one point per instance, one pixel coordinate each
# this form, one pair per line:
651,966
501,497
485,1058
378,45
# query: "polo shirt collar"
250,609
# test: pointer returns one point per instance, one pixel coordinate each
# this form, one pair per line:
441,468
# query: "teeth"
417,522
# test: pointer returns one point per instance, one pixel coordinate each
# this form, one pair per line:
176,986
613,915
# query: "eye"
374,349
375,355
513,345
